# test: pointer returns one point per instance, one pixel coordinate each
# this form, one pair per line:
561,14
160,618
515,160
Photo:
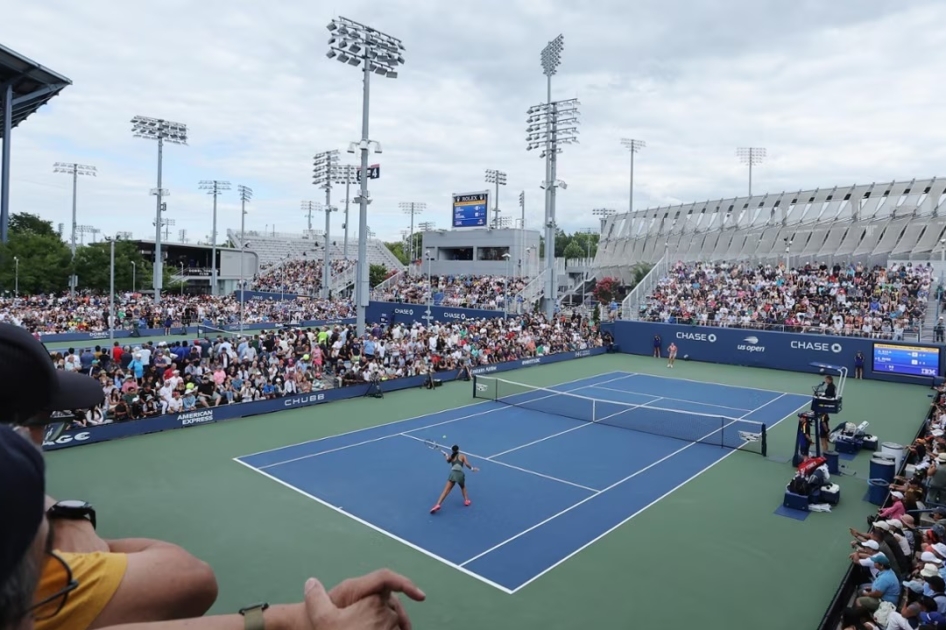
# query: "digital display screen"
906,360
470,210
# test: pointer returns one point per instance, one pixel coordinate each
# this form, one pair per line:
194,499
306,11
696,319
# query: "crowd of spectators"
900,561
150,379
479,292
876,302
51,314
302,276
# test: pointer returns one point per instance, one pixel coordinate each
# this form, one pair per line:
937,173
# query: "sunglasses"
54,588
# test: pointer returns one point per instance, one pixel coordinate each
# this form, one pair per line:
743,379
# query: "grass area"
713,552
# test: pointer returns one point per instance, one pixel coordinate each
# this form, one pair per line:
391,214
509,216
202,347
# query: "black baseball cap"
30,385
23,495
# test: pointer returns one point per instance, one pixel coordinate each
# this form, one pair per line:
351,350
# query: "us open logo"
750,344
481,388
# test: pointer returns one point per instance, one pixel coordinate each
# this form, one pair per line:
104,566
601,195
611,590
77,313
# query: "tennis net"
700,428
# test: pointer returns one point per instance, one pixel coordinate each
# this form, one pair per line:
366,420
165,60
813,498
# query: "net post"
474,385
764,440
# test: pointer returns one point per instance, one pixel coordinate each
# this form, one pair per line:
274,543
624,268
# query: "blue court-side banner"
755,348
410,313
104,433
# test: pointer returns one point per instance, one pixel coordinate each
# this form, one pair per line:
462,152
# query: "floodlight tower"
603,214
634,146
82,230
497,178
325,171
246,195
215,188
168,224
162,131
347,174
750,156
412,208
551,125
374,51
70,168
309,207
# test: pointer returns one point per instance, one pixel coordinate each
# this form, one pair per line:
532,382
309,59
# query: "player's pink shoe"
435,509
467,503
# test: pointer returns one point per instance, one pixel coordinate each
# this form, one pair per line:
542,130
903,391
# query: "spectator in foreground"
884,588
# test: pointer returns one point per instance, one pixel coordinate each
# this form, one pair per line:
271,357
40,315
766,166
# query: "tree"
34,260
398,250
377,274
26,223
604,290
93,267
573,251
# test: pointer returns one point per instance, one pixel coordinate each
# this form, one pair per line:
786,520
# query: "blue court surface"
549,485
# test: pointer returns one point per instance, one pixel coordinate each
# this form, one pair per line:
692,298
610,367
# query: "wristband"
253,616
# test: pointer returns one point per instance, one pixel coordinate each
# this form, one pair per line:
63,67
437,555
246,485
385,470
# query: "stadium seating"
876,302
479,292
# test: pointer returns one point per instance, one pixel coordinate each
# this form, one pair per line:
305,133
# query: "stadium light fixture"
375,52
497,178
346,174
633,146
246,195
69,168
162,131
750,156
215,188
325,172
309,207
603,214
550,126
412,208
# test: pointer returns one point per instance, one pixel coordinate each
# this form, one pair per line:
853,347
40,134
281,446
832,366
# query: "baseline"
380,530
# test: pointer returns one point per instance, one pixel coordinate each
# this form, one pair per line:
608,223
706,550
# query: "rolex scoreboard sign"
470,209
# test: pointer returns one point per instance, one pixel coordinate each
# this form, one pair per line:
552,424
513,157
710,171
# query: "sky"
838,92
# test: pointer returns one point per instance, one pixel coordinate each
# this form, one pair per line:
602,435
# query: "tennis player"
457,461
671,354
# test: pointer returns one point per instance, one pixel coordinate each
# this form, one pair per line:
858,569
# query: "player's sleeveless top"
456,471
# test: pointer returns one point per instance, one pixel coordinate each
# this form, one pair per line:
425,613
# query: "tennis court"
560,467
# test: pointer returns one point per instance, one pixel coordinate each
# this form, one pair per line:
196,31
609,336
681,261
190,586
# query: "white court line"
618,483
384,437
378,529
693,380
433,413
625,521
692,402
525,470
549,437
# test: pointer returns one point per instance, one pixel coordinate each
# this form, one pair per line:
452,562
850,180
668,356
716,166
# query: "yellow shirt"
99,575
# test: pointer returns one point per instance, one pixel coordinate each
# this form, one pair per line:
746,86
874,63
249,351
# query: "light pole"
374,51
309,207
634,146
507,258
183,281
162,131
347,174
16,276
168,224
70,168
551,125
111,287
215,188
325,171
134,272
750,156
522,228
411,208
246,195
603,214
430,286
497,178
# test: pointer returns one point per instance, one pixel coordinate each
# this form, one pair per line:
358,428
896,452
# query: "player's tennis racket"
433,446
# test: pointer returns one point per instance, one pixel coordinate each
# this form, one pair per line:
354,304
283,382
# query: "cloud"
838,93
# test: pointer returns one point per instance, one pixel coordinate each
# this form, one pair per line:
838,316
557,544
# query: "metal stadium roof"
33,85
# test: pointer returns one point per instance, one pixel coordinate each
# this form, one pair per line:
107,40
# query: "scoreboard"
906,360
470,209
